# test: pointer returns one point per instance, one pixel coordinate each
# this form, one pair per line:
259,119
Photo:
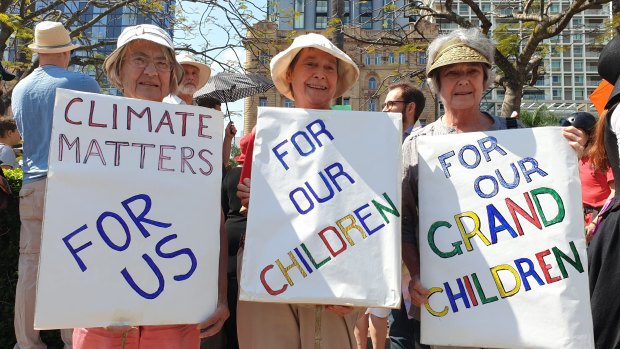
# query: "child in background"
9,137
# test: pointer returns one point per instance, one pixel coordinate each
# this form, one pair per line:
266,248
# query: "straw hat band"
458,53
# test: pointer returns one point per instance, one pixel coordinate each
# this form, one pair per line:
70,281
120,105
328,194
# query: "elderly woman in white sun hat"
312,72
143,66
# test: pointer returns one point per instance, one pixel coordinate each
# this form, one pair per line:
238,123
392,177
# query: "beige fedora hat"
147,32
348,72
204,70
51,37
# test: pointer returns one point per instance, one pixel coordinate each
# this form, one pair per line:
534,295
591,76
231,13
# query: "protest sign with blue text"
503,251
324,215
132,215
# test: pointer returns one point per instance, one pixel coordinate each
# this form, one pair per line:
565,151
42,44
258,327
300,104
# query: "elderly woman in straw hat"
143,66
459,69
312,72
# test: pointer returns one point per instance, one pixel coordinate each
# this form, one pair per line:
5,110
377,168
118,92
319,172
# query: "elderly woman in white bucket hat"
459,69
143,66
312,72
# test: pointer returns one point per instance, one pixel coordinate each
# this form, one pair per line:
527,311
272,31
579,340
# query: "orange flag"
600,95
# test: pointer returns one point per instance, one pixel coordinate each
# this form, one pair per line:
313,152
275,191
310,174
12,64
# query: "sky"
217,36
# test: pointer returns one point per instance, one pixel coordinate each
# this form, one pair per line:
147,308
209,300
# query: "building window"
555,79
372,104
262,101
288,103
299,14
347,13
579,93
555,65
372,83
579,80
577,22
485,7
557,93
402,58
578,38
365,8
391,58
554,8
378,58
321,6
578,51
263,57
422,58
578,65
366,59
346,101
321,22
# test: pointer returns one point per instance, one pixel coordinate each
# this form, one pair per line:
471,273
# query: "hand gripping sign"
503,252
324,216
132,213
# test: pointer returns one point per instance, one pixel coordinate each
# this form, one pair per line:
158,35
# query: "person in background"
33,109
9,137
143,66
209,102
604,249
312,72
409,101
195,76
235,230
458,70
597,187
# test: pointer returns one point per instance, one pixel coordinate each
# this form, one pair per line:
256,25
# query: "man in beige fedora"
33,107
196,76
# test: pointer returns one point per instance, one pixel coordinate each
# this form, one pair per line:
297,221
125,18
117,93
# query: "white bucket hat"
348,72
51,37
147,32
204,70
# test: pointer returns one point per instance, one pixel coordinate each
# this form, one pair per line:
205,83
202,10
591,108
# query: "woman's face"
461,85
146,71
313,79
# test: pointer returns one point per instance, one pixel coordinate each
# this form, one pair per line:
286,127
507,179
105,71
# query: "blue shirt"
33,109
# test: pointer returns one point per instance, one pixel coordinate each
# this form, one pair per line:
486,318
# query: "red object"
243,146
246,171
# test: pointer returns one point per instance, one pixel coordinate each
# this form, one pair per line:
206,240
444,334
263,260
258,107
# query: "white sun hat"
147,32
51,37
204,70
348,72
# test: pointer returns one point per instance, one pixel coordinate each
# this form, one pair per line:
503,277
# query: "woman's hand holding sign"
417,292
213,324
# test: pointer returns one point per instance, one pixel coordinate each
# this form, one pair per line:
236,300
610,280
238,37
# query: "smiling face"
149,82
461,85
313,78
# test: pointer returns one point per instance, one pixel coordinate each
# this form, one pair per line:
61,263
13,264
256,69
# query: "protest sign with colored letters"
132,213
502,246
324,213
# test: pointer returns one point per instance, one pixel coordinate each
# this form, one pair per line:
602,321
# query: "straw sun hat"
204,72
147,32
51,37
454,53
348,72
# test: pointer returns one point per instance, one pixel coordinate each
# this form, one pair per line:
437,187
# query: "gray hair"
471,37
113,69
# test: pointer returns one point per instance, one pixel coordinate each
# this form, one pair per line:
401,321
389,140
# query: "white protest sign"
132,213
324,216
502,241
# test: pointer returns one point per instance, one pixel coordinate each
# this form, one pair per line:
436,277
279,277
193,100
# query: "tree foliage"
540,117
522,31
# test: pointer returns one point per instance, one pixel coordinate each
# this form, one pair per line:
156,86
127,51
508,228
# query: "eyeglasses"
161,65
390,104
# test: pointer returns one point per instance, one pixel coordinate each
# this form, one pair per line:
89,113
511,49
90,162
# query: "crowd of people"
312,72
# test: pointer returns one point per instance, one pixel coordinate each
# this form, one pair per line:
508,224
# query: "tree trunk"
512,99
